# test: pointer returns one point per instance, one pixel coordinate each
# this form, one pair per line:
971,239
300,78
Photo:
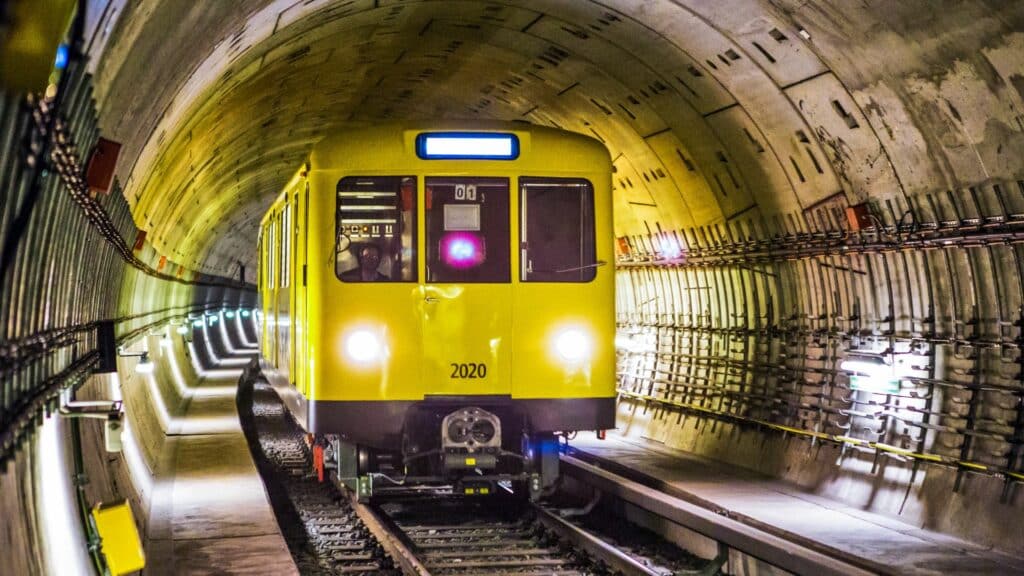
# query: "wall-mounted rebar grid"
67,260
728,323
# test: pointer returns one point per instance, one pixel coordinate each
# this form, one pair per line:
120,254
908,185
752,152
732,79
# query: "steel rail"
610,555
388,536
795,555
422,550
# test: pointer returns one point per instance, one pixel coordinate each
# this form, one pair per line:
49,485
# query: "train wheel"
355,463
542,450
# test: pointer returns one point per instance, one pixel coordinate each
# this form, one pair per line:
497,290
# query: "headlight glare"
572,345
362,346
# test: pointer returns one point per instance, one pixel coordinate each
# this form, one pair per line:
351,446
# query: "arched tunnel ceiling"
712,110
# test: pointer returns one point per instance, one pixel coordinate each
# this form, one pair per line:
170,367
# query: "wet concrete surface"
211,514
782,508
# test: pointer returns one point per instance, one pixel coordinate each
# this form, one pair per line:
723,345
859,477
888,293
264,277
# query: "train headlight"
572,345
363,346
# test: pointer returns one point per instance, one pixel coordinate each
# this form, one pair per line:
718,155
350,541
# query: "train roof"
393,146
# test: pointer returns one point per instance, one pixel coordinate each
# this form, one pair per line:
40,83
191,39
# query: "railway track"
328,533
324,533
451,537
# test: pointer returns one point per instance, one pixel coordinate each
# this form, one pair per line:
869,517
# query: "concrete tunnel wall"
45,534
737,127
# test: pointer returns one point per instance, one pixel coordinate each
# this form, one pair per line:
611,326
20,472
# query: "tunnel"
800,187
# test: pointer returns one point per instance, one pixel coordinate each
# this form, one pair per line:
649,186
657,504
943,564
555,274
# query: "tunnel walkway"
210,513
885,544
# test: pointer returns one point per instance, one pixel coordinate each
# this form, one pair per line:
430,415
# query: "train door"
284,294
295,296
273,259
467,295
565,299
373,310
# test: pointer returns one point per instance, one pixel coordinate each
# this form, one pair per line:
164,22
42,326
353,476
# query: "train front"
469,308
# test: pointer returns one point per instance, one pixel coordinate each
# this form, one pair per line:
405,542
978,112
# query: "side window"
556,230
279,256
286,246
259,262
272,252
376,229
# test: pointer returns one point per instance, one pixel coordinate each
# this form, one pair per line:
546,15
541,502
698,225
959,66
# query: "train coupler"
469,461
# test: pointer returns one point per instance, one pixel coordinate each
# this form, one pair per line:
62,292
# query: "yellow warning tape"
836,438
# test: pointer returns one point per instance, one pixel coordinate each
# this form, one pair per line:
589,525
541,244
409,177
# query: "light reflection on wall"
222,327
176,375
218,374
65,549
238,363
141,474
158,400
240,328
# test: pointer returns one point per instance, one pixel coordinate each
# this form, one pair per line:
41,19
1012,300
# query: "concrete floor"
211,514
890,546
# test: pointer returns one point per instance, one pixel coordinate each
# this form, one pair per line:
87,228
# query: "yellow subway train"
438,303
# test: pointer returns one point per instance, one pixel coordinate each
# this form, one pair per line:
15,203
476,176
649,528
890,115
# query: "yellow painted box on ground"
119,537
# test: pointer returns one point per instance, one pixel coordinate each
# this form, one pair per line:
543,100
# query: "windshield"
557,230
467,235
376,229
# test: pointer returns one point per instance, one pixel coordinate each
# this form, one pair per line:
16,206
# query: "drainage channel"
328,533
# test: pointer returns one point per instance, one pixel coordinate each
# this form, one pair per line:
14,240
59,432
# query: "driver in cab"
368,257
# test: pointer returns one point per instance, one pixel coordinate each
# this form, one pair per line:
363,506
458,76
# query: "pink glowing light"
462,250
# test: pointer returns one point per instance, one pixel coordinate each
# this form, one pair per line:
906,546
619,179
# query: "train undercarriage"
466,451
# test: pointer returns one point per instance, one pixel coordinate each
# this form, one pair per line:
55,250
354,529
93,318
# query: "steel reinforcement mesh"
763,329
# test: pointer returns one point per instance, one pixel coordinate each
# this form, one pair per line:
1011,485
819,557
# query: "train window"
467,237
376,229
259,265
557,230
272,253
286,246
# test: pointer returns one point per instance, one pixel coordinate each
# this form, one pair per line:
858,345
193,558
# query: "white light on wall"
871,374
145,366
670,248
625,342
60,526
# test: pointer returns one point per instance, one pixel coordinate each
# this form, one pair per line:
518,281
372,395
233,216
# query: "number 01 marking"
465,191
468,370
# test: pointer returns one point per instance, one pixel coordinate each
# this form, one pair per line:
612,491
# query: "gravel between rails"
323,533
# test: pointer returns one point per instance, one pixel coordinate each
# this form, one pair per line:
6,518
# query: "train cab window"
467,236
557,230
376,229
